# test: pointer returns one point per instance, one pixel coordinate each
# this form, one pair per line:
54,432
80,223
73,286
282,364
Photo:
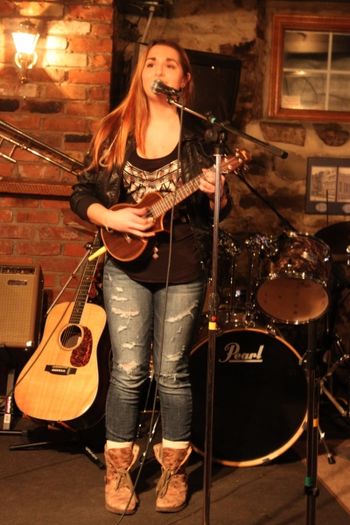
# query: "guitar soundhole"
71,336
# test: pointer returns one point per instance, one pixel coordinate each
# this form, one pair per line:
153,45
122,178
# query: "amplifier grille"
21,290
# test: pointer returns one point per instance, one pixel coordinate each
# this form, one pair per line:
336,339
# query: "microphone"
160,88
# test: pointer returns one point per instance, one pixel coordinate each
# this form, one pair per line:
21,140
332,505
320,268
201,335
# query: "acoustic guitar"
125,247
61,380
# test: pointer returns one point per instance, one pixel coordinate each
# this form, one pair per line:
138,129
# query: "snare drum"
295,279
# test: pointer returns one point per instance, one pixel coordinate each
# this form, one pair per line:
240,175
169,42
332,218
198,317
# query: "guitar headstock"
236,161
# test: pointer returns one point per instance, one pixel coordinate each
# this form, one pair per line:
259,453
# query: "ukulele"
125,247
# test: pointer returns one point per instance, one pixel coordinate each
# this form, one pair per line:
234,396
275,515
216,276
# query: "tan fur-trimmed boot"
119,489
172,488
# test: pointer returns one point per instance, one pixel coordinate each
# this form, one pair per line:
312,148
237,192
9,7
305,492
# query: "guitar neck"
85,285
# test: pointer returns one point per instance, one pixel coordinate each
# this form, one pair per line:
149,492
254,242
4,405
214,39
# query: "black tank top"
142,176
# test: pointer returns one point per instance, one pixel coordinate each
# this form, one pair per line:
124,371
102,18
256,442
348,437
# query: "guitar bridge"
60,370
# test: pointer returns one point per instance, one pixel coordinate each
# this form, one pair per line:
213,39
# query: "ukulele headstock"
235,162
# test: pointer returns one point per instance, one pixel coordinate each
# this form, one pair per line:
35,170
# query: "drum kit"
271,288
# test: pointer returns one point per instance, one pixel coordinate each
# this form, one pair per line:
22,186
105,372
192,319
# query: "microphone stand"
212,325
212,331
313,394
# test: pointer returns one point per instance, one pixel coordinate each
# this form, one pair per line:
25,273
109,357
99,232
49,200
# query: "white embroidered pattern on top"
137,182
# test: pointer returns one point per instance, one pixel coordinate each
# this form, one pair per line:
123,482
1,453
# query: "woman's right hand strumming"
128,219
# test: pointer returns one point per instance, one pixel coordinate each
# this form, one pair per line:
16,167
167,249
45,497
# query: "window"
310,68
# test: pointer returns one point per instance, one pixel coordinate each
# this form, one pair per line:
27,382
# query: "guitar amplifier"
21,293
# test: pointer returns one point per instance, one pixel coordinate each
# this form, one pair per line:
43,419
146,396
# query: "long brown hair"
131,116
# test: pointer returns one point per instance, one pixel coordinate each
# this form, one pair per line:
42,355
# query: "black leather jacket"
100,186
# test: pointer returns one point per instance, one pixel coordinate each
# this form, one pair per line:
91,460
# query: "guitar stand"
55,437
8,402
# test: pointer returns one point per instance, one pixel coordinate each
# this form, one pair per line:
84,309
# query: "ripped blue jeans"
143,320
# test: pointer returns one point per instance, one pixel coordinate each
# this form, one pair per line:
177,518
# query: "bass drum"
260,397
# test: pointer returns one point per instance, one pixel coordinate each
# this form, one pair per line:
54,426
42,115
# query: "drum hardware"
254,246
227,242
312,427
342,411
322,390
238,306
228,295
233,307
342,359
263,244
258,246
322,437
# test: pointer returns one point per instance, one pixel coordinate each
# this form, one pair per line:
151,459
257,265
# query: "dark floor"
59,484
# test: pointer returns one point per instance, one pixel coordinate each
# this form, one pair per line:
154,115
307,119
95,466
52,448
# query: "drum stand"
313,430
322,436
344,358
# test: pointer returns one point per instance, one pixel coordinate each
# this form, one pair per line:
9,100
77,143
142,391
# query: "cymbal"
337,236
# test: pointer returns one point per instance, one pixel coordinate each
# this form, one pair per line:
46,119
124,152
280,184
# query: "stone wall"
283,181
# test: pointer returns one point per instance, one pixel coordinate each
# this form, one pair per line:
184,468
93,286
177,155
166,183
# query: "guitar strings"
37,353
83,290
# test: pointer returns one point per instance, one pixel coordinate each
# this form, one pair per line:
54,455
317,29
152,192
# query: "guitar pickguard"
82,353
78,339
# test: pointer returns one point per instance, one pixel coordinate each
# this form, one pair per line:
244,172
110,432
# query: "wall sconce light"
25,41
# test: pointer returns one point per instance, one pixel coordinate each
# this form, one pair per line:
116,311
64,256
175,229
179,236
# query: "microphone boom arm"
212,120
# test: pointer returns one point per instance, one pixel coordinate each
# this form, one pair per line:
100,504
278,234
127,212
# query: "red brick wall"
66,94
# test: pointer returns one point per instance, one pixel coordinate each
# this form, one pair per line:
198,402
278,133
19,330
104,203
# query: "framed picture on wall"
328,185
